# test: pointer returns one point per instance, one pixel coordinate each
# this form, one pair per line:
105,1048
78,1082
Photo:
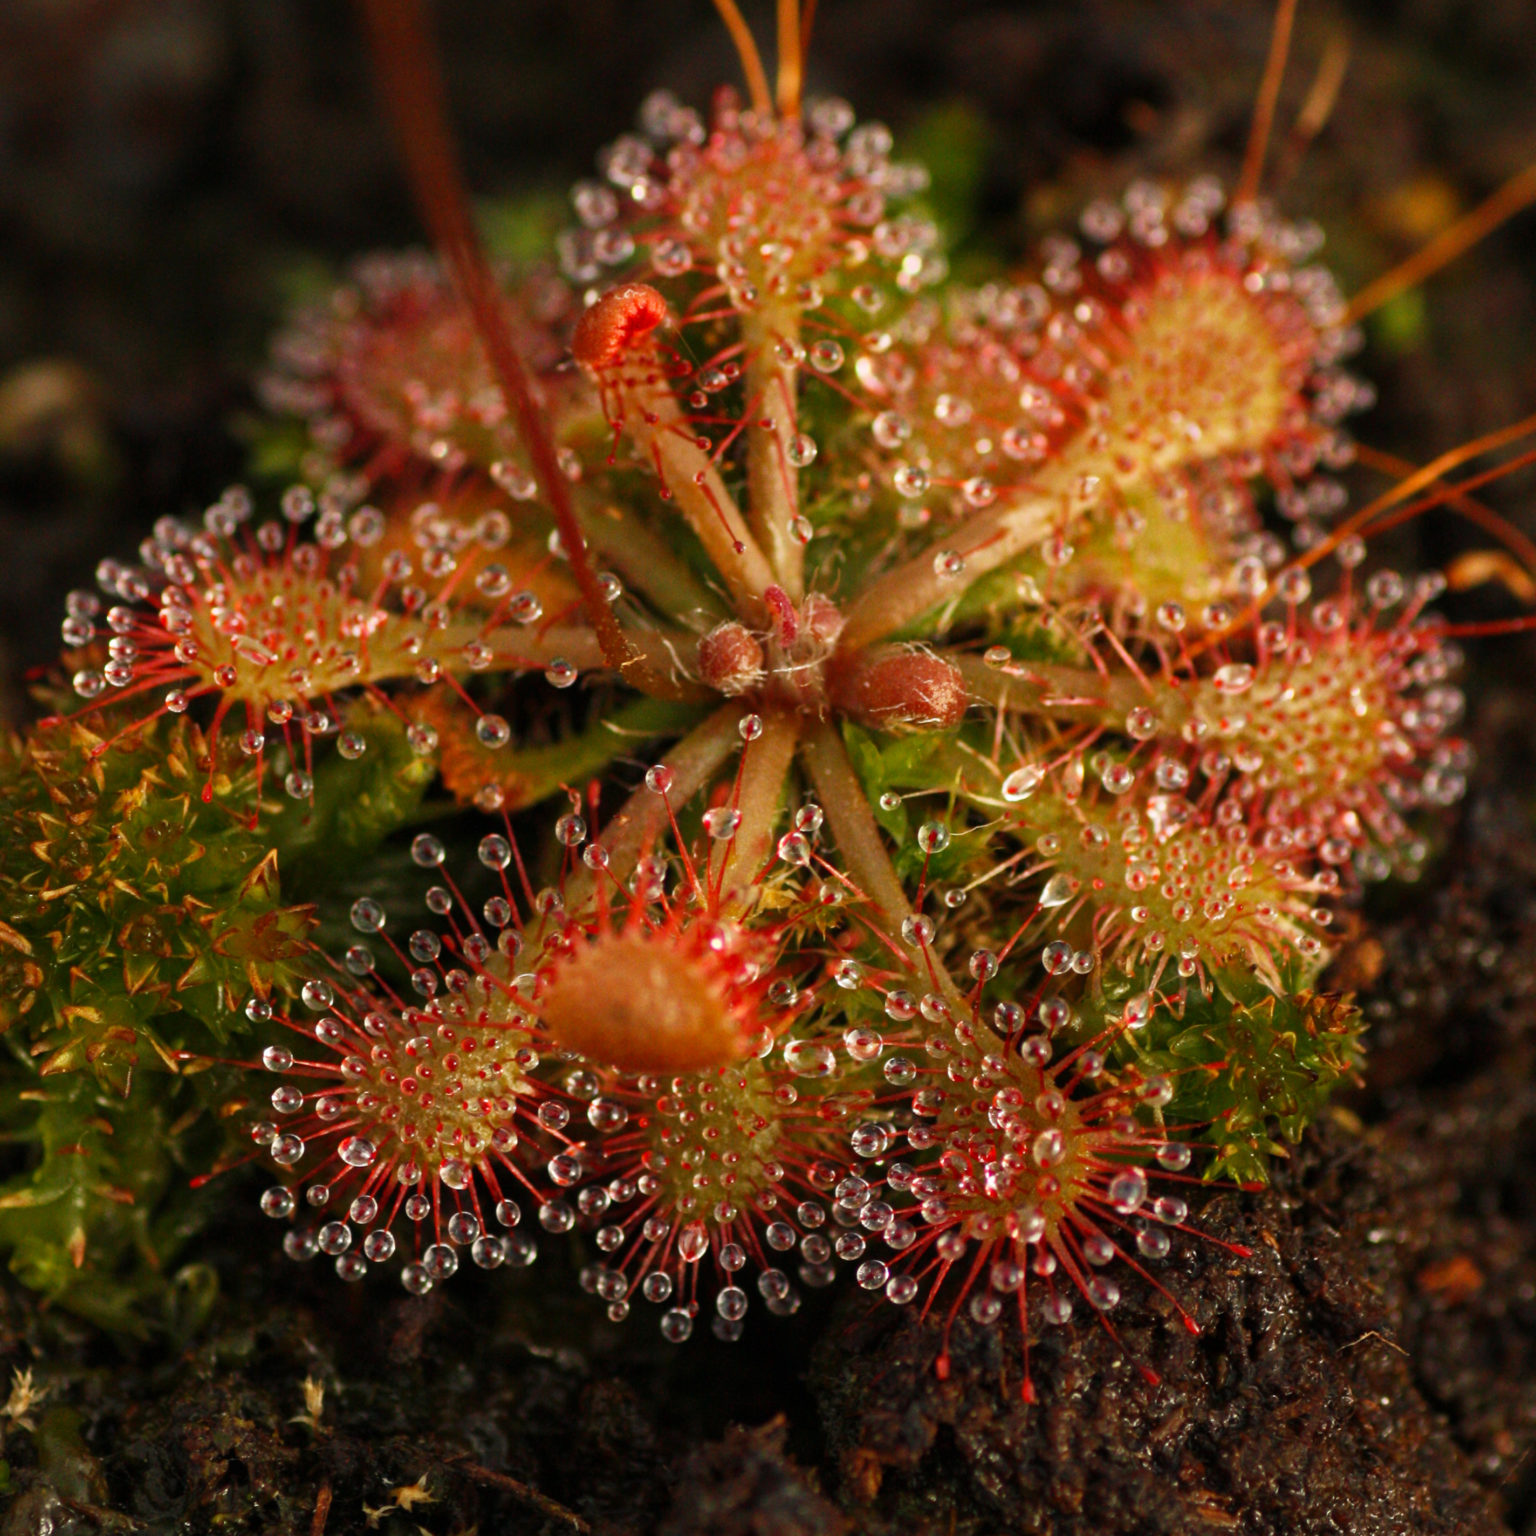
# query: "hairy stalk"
516,649
527,775
643,819
903,595
765,769
640,398
772,489
694,482
1047,688
859,841
865,859
659,649
650,566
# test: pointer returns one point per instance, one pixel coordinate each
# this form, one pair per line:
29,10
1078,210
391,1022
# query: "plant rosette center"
796,664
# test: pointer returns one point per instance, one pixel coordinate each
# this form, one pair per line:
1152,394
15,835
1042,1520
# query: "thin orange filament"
1448,494
1521,547
807,17
1317,108
791,59
751,60
404,51
1434,471
1518,193
1264,105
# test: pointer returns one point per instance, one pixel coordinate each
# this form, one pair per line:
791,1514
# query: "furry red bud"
901,685
614,326
730,659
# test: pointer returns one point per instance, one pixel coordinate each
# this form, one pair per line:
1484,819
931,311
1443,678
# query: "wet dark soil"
1372,1368
1369,1369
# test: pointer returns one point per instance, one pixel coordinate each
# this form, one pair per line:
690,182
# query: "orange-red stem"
404,51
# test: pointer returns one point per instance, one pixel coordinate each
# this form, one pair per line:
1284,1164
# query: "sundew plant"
885,759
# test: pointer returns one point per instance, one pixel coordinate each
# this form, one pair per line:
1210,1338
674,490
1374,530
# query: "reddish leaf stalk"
405,54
